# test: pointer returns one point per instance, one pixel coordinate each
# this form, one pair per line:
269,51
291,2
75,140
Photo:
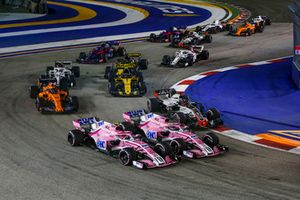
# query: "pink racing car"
155,128
113,140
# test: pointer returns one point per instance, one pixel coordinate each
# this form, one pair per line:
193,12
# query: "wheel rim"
160,150
124,158
175,146
209,140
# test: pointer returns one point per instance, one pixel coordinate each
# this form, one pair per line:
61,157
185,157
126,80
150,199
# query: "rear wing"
197,46
121,65
137,116
88,123
64,63
45,81
114,42
133,55
170,92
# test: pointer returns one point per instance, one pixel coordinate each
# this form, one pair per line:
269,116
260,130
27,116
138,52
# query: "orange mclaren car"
52,99
245,29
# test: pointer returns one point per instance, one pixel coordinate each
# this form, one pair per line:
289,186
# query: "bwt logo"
136,113
151,134
150,115
101,144
165,8
84,121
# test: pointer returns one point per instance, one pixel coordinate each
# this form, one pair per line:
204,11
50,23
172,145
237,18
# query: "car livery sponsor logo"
101,144
297,50
145,145
151,135
136,113
165,8
101,123
149,116
84,121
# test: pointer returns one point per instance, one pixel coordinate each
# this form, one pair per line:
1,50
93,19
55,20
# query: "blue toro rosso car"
101,53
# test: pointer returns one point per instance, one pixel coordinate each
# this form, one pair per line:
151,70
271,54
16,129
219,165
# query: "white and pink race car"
155,128
116,142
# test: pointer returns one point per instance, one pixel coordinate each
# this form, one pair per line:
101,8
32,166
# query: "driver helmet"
183,100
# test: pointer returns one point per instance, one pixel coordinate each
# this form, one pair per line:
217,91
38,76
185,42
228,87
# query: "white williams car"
185,58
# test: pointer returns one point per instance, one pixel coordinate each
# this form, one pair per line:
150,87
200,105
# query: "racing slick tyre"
204,55
126,156
214,117
178,146
72,81
180,117
112,88
166,60
143,64
153,105
64,83
152,37
107,71
140,76
76,71
211,140
248,32
208,38
126,126
48,69
34,91
40,105
163,149
261,28
75,137
75,104
268,22
190,61
82,56
121,51
213,114
142,88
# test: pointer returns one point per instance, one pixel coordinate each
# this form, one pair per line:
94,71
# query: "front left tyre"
75,138
127,156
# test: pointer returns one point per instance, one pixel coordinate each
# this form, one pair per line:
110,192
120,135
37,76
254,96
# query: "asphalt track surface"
36,162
